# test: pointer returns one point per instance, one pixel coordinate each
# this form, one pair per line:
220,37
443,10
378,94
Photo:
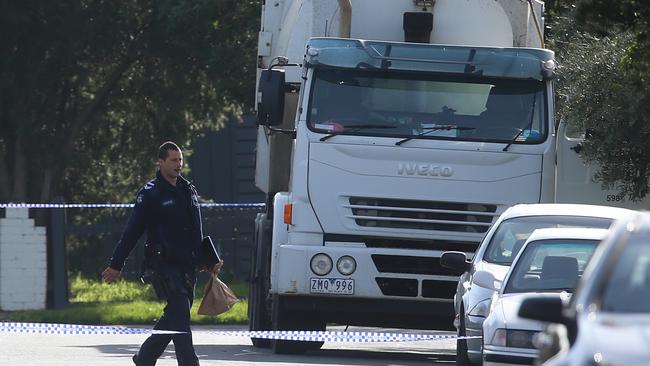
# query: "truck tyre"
461,344
259,316
286,319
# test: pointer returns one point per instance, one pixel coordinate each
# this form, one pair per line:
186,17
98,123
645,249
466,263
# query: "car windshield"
627,290
550,265
424,106
511,234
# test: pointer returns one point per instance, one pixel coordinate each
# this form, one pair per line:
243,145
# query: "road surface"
114,350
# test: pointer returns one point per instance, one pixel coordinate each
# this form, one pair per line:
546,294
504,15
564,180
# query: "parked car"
495,254
548,265
607,321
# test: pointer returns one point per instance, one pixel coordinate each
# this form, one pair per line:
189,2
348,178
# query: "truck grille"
421,244
408,287
405,243
422,215
411,265
438,289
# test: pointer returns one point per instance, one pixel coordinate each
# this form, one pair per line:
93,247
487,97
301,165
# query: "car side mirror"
487,280
546,309
270,105
456,261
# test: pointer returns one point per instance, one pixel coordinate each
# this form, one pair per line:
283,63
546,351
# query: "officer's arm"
134,229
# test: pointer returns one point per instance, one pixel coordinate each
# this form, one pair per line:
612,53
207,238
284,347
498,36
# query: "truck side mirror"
270,106
455,260
546,309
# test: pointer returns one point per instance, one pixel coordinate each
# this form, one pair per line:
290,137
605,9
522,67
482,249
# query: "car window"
550,265
511,234
627,290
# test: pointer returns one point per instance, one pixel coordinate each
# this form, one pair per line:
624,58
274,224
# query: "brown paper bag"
217,297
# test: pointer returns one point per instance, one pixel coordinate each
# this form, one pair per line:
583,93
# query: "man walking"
167,208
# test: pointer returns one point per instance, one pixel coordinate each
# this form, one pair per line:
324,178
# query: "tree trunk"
46,186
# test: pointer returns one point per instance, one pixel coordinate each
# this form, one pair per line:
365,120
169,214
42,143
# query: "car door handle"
577,148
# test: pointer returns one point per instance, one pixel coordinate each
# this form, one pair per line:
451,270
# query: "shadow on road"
252,355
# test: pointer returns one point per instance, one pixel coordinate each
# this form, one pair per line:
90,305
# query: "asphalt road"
114,350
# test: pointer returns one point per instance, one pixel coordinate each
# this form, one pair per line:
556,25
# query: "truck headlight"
321,264
346,265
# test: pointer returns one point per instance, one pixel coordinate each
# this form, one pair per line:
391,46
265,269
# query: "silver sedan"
495,254
607,321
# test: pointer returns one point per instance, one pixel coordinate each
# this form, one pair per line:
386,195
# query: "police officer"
167,208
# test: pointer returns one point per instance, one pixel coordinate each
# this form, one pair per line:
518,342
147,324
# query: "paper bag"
217,297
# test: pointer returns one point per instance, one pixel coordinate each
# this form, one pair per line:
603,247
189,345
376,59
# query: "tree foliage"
89,88
604,60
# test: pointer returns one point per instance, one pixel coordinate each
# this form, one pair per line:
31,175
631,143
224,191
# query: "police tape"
288,335
51,328
341,337
119,205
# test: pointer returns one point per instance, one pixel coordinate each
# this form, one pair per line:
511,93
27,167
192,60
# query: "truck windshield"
425,106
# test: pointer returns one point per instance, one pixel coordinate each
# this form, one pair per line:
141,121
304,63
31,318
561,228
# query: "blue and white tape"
340,337
314,336
50,328
119,205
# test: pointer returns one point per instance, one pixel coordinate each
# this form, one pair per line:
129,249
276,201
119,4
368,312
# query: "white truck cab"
391,131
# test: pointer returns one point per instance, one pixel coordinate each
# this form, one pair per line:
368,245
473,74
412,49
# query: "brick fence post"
23,262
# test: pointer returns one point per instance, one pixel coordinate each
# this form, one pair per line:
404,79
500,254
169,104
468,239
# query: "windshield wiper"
514,139
436,128
354,128
528,126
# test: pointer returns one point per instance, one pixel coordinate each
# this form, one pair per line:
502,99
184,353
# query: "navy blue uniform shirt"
172,219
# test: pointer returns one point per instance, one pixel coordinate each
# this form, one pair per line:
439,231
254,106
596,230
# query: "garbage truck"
389,132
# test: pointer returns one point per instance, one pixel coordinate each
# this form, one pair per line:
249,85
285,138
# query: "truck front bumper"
389,313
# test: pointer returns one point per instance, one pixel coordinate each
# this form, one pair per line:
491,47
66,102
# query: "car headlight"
481,309
520,338
513,338
321,264
499,338
346,265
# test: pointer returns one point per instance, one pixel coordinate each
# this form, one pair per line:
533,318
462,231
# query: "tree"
603,52
89,88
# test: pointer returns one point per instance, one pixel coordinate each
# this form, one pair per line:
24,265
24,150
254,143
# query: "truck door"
575,182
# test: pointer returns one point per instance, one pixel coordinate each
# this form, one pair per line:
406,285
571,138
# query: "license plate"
339,286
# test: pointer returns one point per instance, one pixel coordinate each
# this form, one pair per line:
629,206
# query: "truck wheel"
284,319
258,311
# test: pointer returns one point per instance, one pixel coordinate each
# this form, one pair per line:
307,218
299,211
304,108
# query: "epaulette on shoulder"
150,184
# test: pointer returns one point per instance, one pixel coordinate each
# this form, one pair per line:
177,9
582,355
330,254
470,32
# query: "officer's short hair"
163,150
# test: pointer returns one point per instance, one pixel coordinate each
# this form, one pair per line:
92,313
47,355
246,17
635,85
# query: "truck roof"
517,63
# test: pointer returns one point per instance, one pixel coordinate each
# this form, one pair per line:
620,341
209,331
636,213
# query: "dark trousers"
179,290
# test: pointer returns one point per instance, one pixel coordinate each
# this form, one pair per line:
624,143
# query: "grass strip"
125,302
122,313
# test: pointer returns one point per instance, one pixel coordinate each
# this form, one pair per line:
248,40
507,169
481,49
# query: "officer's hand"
110,275
216,268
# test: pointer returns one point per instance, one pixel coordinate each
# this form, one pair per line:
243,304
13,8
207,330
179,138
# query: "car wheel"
461,344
